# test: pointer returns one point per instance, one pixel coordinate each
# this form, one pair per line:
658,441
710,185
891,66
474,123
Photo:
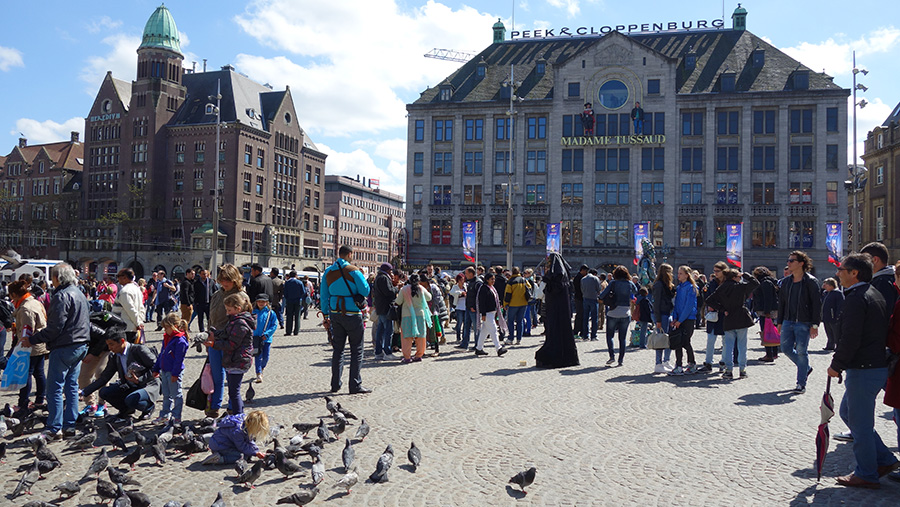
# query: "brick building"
878,201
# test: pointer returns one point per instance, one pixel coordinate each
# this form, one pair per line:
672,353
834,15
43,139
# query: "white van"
31,266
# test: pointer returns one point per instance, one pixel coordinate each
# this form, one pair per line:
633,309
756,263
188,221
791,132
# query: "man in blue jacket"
295,295
343,292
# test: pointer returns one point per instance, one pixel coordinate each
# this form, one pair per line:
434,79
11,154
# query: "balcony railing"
535,210
729,210
803,210
765,210
441,209
692,210
471,209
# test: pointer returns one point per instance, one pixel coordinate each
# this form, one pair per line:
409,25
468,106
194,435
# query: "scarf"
497,315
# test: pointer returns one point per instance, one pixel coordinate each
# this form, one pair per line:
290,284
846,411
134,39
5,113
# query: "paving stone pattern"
597,435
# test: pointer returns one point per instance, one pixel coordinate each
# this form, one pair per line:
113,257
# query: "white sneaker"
668,366
660,368
379,357
389,356
213,459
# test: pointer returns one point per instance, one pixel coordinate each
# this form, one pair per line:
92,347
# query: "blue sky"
352,65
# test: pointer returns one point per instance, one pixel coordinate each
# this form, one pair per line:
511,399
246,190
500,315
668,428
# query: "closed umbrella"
823,436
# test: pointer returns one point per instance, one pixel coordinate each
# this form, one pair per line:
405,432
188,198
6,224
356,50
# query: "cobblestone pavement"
597,435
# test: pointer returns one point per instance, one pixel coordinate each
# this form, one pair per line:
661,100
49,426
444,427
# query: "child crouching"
236,437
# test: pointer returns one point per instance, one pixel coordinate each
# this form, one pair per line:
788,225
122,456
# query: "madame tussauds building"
688,131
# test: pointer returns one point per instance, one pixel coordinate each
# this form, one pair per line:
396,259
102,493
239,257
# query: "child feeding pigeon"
236,437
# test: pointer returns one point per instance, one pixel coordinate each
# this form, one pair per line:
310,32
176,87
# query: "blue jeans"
711,348
515,321
638,126
35,371
794,344
529,316
738,336
384,328
590,309
461,317
2,340
263,358
171,392
663,355
62,380
229,457
644,331
218,375
614,324
861,387
467,327
124,399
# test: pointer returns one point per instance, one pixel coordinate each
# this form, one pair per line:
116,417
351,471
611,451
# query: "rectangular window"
801,192
831,156
831,119
763,193
611,233
501,162
443,163
653,87
611,193
574,89
498,231
571,232
764,122
802,234
417,231
419,130
535,194
474,129
260,158
441,195
764,233
691,193
652,193
879,223
474,162
503,128
572,193
801,121
472,194
727,123
246,210
653,159
879,175
727,158
441,231
536,162
573,160
763,158
443,130
260,183
692,159
692,124
537,127
417,195
418,165
726,193
831,192
248,182
801,157
691,233
611,159
248,154
535,232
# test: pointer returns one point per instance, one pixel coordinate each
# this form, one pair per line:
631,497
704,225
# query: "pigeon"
318,471
3,425
276,430
7,411
305,427
348,414
158,451
2,450
322,431
127,428
115,438
348,480
98,465
285,466
69,489
34,441
27,481
414,455
27,423
252,475
524,479
347,456
132,457
172,503
45,466
219,502
296,440
119,476
13,260
44,453
85,442
140,439
106,490
166,436
251,393
39,503
384,464
138,499
240,466
340,426
302,497
122,499
362,431
330,405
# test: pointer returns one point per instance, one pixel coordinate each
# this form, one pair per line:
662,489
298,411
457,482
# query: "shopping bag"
206,379
635,337
771,336
658,340
15,375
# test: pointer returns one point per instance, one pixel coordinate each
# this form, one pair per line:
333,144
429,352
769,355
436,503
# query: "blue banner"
553,238
834,240
470,239
641,232
734,240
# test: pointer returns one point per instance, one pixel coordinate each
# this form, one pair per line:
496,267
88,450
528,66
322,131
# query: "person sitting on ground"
137,389
236,436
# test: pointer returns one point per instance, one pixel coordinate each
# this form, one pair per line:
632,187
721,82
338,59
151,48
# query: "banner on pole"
834,241
553,231
641,232
470,237
734,253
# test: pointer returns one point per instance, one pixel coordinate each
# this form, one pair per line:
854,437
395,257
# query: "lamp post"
214,260
857,174
513,86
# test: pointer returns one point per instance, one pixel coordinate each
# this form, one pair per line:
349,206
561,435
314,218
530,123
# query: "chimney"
204,65
23,142
75,136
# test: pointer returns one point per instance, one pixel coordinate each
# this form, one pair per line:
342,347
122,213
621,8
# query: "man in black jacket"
259,284
383,294
883,277
186,297
204,287
473,283
579,301
860,357
799,314
137,388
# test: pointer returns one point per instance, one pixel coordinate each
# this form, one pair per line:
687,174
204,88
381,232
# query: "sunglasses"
793,260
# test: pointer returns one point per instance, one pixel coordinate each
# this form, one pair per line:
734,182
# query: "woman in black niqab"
559,348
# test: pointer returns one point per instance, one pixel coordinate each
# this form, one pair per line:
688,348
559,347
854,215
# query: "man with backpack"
518,294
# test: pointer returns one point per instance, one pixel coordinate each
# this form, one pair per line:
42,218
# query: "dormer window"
800,80
210,109
759,58
251,112
480,70
726,82
690,61
446,93
540,68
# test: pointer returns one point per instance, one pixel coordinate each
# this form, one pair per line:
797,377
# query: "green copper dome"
161,32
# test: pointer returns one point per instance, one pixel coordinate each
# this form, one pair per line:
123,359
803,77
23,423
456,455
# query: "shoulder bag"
658,340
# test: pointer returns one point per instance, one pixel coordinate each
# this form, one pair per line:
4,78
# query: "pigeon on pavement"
348,480
285,466
132,458
44,453
98,465
138,499
115,438
240,466
348,414
362,431
347,456
384,464
69,489
524,479
305,427
122,499
27,481
252,475
340,426
219,502
85,442
119,476
251,393
106,490
318,471
158,451
302,497
414,455
322,431
330,405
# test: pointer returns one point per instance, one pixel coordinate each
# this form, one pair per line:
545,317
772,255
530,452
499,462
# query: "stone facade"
878,199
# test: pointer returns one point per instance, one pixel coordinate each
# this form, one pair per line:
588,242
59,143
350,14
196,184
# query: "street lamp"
513,85
214,260
855,171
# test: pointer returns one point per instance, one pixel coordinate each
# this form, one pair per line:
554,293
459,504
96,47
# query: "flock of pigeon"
189,439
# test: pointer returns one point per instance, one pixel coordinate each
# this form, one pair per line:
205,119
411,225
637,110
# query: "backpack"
529,292
610,299
6,314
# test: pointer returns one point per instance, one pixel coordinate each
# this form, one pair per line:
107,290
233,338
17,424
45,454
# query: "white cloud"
10,57
103,23
392,149
121,60
361,57
571,7
359,163
48,131
835,56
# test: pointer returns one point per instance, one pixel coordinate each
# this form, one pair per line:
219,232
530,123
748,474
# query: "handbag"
15,374
206,379
195,397
771,336
658,340
610,298
712,316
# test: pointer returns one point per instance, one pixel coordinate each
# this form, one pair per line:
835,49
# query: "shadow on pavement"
589,369
638,379
515,493
505,372
284,399
773,398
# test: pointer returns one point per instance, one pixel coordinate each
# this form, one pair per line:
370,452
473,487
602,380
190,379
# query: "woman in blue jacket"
618,315
684,316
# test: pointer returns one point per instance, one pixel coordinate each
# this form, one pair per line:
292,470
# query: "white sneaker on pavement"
660,368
